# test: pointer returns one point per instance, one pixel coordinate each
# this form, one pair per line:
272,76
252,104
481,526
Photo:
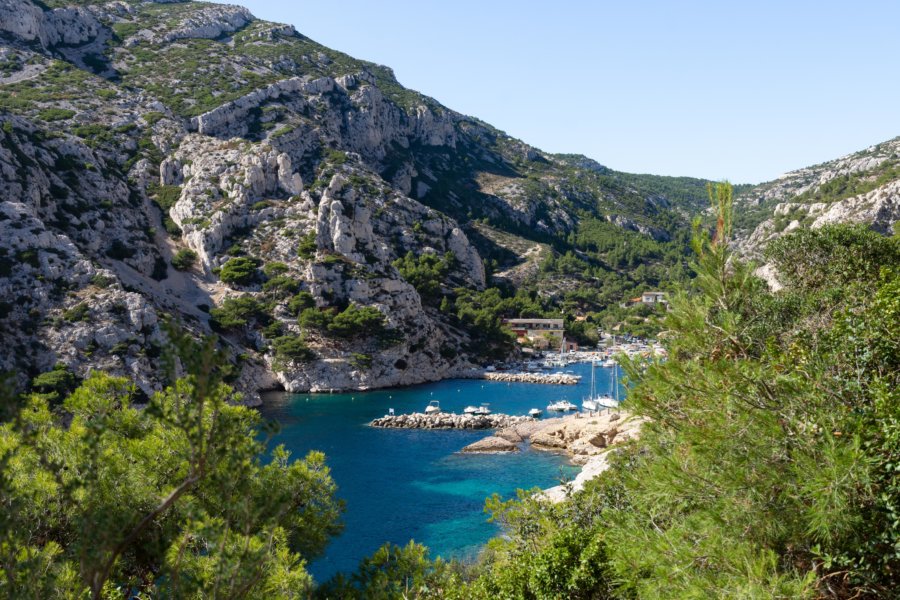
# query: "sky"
743,91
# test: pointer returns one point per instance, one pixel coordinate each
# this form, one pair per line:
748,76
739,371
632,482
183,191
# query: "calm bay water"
413,484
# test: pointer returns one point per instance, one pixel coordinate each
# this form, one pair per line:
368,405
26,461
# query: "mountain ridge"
185,159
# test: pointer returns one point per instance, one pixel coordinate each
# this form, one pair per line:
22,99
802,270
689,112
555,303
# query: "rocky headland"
587,440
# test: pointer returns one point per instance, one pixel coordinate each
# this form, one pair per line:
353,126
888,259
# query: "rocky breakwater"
546,378
448,421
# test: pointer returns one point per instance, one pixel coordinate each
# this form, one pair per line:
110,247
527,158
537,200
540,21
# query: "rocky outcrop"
586,439
210,22
25,22
231,118
878,208
491,445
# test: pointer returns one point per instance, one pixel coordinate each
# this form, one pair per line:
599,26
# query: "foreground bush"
174,500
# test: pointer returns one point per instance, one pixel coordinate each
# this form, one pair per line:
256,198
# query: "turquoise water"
413,484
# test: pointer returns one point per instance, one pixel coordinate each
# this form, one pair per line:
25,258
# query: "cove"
412,484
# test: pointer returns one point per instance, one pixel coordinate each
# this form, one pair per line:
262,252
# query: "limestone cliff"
185,160
863,187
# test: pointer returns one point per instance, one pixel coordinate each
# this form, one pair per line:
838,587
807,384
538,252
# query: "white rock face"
878,208
210,23
70,26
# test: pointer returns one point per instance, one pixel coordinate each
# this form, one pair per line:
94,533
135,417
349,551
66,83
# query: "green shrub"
273,330
55,114
301,302
79,312
426,272
55,384
151,118
273,269
281,285
184,259
240,270
358,321
102,281
29,257
166,195
314,318
360,361
293,348
238,312
307,246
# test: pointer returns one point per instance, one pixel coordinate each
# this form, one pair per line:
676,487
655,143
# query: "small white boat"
483,409
535,413
561,406
470,410
433,407
608,363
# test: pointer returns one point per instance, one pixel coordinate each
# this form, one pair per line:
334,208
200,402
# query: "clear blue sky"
716,89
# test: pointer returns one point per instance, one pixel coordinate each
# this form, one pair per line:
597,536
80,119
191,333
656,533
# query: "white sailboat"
596,402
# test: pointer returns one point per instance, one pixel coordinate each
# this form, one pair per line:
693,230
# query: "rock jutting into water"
491,445
546,378
586,439
448,421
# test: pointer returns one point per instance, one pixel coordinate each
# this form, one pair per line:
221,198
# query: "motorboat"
470,410
535,413
608,363
433,408
561,406
483,409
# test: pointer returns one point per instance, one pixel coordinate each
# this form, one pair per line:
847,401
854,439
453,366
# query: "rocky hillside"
185,160
863,187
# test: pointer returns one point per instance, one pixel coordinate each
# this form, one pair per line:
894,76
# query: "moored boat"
561,406
433,408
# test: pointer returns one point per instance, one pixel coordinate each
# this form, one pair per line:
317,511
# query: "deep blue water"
412,484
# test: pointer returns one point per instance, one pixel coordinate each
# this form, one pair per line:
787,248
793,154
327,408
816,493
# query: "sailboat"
596,402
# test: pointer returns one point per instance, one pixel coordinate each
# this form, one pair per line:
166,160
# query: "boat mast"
593,365
616,382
